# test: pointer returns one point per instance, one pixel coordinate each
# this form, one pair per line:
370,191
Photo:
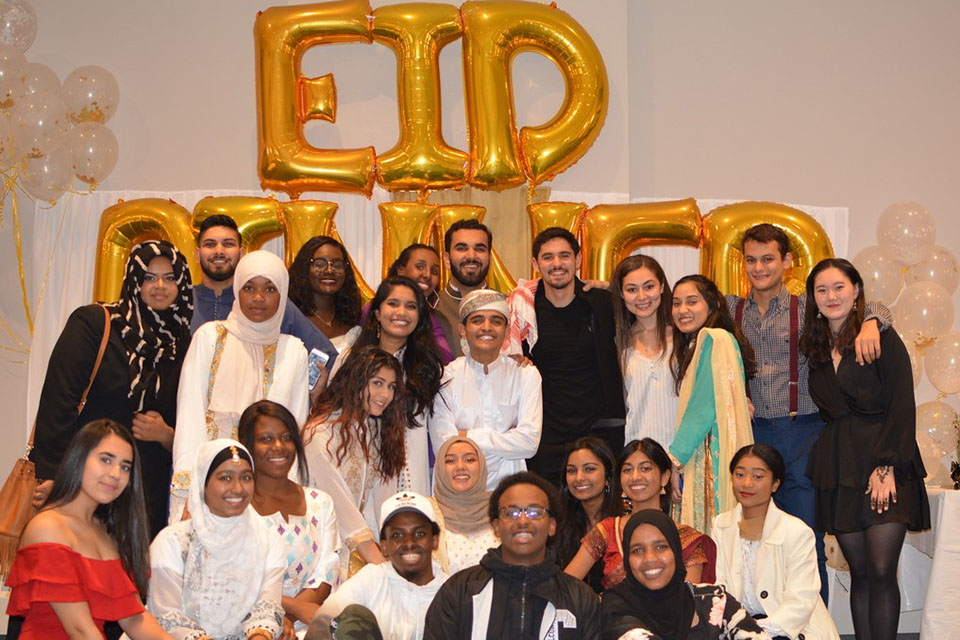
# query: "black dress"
870,416
68,372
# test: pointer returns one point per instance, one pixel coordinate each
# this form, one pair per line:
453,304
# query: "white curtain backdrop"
65,240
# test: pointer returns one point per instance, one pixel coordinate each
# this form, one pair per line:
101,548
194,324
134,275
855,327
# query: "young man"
785,416
568,332
397,592
466,252
517,590
486,395
218,252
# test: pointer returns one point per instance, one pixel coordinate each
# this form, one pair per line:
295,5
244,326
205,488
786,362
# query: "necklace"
329,323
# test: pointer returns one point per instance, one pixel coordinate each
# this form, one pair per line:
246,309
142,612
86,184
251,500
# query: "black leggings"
873,555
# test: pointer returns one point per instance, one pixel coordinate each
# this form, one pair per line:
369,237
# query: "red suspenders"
794,385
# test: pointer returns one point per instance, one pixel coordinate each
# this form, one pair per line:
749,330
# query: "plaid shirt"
769,335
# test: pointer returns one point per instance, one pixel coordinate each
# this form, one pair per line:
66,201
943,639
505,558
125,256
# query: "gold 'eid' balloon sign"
499,155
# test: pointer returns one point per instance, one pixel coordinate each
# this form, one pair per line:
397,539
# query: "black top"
68,372
870,416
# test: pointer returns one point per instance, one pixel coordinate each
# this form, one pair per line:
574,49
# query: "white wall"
824,103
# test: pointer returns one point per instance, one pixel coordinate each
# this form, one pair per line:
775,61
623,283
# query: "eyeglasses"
532,513
321,264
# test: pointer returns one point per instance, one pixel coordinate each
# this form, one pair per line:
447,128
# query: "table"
941,610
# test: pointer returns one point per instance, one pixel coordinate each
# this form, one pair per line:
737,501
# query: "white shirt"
651,398
465,549
501,410
399,605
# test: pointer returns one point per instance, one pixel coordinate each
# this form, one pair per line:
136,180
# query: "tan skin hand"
675,494
321,385
288,633
882,489
41,493
521,359
867,343
150,426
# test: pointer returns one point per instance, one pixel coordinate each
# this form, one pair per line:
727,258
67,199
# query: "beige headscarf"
463,511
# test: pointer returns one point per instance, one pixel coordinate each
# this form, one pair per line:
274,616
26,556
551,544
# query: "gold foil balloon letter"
286,99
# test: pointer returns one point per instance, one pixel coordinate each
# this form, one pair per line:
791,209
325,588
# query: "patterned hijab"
151,336
463,511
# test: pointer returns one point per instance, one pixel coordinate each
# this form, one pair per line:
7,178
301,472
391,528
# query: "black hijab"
669,611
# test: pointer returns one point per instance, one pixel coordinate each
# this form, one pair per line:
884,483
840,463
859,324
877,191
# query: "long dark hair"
125,519
421,361
817,341
657,455
576,523
246,430
717,318
344,396
624,319
346,302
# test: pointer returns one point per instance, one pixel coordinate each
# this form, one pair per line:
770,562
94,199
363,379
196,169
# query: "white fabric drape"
65,237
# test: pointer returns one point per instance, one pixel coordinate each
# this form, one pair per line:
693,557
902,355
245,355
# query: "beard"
471,280
218,276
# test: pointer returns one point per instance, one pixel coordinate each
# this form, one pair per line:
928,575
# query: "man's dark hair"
526,477
766,232
469,223
554,232
217,220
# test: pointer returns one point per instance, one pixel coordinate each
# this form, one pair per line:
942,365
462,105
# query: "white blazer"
787,578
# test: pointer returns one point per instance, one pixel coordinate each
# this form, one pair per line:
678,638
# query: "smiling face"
409,544
765,265
469,257
641,292
690,309
485,332
557,263
524,540
106,472
218,253
585,475
753,483
328,270
159,289
423,267
259,299
273,449
461,464
398,314
642,481
651,559
835,295
229,489
381,388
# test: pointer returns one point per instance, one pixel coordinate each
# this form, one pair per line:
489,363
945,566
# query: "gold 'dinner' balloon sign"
499,155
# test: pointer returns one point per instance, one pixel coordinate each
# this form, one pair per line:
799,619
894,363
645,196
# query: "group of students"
436,446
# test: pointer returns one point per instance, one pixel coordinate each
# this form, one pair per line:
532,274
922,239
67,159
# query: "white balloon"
916,362
882,274
36,78
930,453
91,94
940,266
39,124
942,363
12,67
939,421
47,178
924,312
908,230
18,24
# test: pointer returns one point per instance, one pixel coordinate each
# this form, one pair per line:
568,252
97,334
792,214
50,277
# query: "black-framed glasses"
532,513
321,264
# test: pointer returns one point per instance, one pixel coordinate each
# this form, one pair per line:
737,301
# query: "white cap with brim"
406,501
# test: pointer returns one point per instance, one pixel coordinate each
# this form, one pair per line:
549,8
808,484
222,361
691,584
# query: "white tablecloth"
941,610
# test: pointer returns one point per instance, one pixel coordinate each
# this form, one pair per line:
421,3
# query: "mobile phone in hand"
316,362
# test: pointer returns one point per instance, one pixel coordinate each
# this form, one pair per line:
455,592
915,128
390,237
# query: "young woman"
219,575
655,603
590,493
83,558
866,465
767,558
711,360
644,471
459,489
234,363
644,336
355,444
302,516
324,288
400,324
421,263
136,384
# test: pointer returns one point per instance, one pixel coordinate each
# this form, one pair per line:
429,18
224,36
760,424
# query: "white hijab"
224,568
239,380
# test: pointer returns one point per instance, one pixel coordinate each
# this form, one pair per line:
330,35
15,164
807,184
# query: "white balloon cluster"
907,270
50,133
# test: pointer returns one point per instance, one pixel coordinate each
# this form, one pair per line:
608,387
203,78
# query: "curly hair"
422,366
554,504
346,302
624,320
817,341
718,317
342,403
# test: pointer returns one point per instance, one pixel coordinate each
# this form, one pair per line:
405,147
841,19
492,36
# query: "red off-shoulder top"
45,572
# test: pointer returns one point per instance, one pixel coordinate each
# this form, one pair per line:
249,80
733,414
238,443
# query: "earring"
378,331
854,307
606,488
819,315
